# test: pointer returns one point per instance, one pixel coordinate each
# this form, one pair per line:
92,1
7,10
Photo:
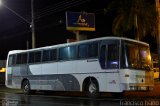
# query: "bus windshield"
137,56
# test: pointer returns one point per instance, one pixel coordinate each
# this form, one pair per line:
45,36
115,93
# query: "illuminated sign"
80,21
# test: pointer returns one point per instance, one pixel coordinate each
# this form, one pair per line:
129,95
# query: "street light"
30,23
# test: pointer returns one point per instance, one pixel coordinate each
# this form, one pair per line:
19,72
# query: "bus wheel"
92,89
26,87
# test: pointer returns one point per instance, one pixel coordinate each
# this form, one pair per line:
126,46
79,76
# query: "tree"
136,17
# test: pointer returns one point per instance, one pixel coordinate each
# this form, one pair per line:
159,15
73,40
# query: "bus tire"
26,87
92,89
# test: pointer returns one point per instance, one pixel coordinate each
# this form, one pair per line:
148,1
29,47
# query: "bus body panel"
59,82
108,82
16,73
35,69
49,68
66,67
130,78
88,66
8,80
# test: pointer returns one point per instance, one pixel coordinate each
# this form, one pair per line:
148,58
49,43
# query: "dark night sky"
49,22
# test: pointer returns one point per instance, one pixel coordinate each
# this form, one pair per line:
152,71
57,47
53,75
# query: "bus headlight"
143,88
132,88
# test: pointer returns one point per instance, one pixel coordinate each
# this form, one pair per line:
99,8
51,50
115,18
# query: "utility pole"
158,32
32,24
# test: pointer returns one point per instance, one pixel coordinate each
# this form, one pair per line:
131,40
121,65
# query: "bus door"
109,61
109,55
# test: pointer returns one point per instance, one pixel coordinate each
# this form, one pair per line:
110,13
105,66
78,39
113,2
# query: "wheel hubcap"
26,88
92,88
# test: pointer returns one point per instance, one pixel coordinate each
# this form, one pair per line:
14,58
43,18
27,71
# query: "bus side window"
12,60
67,53
62,54
103,57
82,51
113,56
49,55
46,55
24,58
18,61
21,58
37,56
31,57
93,50
53,55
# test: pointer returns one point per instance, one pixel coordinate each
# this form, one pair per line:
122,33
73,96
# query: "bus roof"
79,42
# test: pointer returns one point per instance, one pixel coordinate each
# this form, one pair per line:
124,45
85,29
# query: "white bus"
109,64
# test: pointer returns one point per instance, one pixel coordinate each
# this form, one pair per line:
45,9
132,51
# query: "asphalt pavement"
155,93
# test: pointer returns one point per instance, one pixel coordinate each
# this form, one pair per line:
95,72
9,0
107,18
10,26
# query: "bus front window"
137,56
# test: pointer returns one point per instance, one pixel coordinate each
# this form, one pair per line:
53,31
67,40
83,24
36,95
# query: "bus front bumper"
138,87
